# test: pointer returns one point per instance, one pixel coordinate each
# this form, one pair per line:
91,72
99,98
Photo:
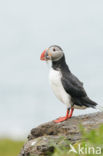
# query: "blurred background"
26,29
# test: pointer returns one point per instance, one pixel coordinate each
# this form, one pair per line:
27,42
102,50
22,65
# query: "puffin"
65,85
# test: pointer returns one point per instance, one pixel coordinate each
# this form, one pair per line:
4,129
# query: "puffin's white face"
53,53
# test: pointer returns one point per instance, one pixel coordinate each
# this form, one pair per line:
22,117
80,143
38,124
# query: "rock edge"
41,139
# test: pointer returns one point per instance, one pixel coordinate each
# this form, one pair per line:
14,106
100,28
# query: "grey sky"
27,27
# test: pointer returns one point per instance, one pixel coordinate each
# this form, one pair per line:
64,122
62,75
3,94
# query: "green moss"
9,147
94,138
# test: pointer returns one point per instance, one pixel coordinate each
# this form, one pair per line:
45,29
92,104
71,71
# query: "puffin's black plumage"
72,85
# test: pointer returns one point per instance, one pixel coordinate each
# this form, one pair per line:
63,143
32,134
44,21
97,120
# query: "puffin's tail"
89,103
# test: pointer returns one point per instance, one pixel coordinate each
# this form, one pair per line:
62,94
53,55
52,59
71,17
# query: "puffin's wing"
73,86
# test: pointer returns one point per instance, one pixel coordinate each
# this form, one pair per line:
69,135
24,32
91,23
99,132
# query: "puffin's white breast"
57,87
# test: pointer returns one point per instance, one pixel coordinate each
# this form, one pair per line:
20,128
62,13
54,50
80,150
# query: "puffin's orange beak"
43,55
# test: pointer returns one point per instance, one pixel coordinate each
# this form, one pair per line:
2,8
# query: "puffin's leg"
63,118
71,113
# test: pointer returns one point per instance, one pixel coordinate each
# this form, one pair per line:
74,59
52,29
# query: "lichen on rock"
43,139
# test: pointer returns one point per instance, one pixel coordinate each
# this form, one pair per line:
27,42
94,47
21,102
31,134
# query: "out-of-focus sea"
26,29
26,99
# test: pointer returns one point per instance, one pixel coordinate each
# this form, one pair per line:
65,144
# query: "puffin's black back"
72,85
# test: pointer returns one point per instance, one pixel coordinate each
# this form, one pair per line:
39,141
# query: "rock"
42,139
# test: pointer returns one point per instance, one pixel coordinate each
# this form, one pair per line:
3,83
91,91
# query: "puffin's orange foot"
61,119
68,115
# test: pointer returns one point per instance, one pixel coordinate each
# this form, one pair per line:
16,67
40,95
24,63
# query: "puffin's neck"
60,64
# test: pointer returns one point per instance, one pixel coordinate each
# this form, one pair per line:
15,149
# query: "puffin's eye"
54,49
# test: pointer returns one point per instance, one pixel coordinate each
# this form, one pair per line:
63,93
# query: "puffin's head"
53,53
